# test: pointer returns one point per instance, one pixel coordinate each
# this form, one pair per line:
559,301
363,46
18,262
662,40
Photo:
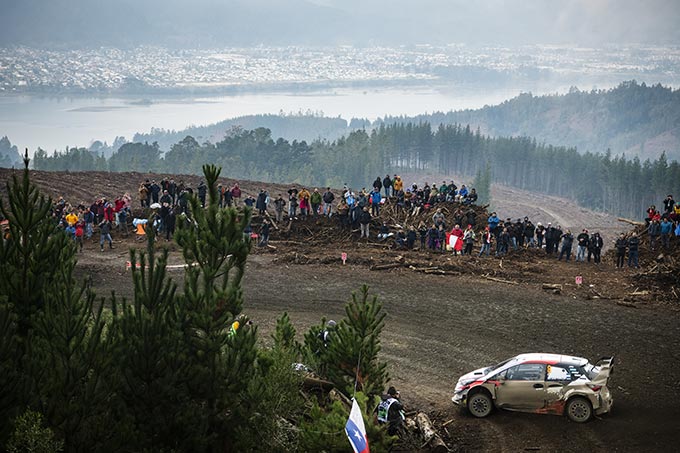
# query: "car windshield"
498,365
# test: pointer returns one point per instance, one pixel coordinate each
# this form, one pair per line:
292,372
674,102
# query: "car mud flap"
554,408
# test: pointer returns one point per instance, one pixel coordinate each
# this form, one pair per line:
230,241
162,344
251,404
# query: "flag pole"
356,375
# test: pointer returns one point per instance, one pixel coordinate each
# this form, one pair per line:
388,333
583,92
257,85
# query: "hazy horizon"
201,23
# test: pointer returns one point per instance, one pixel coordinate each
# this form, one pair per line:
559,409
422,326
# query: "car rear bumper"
606,402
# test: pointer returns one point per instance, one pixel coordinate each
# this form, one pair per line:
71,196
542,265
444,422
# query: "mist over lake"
56,122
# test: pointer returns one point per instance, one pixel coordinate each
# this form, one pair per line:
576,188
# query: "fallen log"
271,220
311,382
551,286
631,222
382,267
626,304
429,434
499,280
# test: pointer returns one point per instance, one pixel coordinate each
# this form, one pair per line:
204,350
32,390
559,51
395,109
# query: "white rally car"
539,383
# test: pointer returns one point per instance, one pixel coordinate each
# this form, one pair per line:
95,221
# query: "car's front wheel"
579,410
480,404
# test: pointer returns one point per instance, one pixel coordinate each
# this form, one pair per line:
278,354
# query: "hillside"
634,119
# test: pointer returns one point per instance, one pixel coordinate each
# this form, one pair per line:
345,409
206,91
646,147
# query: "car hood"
472,376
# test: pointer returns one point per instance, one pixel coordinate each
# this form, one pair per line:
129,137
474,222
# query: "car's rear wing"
605,368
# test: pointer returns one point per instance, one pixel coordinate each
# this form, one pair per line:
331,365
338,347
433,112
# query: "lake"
56,122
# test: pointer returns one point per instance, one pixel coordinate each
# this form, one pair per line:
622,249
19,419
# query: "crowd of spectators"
458,232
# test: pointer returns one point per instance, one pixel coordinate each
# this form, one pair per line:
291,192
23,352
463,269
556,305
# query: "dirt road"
439,327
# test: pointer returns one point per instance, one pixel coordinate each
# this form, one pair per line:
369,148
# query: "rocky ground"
447,315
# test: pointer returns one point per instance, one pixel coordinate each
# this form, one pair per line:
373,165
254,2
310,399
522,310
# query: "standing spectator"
105,234
540,234
411,236
549,239
292,202
650,214
228,197
264,233
147,185
343,213
666,231
172,190
493,222
235,193
170,221
503,242
633,250
668,204
397,184
279,205
303,198
582,244
654,231
468,239
375,198
595,247
249,201
315,200
529,230
365,222
108,211
89,223
387,185
422,232
220,193
486,242
261,203
80,231
458,233
122,221
621,244
438,218
432,237
377,184
567,242
143,195
328,198
202,192
166,198
155,191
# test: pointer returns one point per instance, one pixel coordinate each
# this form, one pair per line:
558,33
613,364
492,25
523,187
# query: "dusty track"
439,327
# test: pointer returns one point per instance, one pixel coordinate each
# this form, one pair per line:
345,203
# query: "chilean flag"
356,431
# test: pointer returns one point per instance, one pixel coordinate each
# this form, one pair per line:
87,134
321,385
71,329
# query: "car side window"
557,373
526,372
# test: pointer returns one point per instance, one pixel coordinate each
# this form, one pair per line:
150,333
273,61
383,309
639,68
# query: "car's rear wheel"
480,404
579,410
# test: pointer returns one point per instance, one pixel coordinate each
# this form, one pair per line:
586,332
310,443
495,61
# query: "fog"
202,23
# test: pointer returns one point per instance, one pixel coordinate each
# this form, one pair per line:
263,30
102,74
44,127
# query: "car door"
522,387
557,377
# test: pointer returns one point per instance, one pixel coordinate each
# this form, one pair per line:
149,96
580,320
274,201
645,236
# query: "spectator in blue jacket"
493,222
666,230
376,198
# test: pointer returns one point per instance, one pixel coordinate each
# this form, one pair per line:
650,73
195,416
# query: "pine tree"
51,331
482,185
215,252
356,343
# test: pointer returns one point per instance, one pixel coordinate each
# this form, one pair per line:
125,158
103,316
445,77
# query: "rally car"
539,383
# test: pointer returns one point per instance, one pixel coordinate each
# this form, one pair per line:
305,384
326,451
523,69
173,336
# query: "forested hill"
634,119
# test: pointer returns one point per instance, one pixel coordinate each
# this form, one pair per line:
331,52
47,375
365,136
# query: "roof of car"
551,359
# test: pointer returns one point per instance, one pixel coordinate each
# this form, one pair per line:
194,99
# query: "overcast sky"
190,23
